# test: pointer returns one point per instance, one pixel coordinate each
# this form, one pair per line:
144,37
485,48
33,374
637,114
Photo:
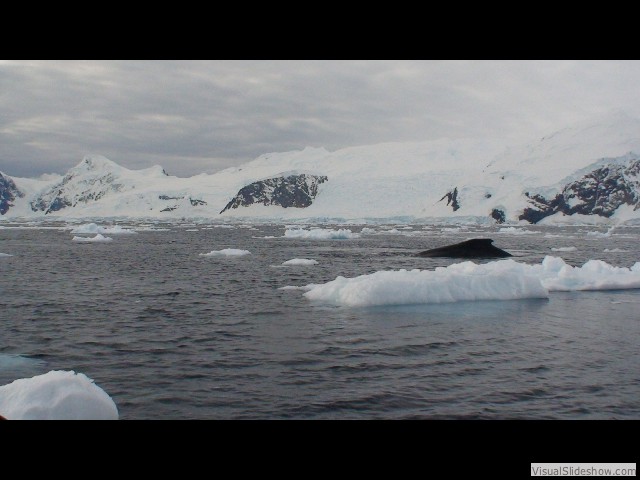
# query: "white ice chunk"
564,249
97,239
300,261
94,228
320,233
556,275
504,280
515,231
57,395
499,280
226,252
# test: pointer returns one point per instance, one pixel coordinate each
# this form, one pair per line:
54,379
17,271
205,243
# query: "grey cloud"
195,116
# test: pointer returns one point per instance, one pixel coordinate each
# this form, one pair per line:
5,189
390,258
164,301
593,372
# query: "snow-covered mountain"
588,171
8,193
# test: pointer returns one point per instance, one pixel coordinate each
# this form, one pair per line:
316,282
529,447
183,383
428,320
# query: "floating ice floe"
5,255
614,250
556,275
226,252
320,233
300,261
151,229
97,239
467,281
10,361
305,288
515,231
94,228
57,395
601,234
564,249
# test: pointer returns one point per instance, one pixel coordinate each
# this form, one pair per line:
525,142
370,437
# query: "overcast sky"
203,116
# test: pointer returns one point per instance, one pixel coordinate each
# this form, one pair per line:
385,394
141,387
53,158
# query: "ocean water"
170,334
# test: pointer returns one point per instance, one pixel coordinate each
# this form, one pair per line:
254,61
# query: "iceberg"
556,275
57,395
97,239
226,252
300,261
468,281
94,228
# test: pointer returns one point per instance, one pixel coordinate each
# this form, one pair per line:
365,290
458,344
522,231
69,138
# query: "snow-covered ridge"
8,193
587,170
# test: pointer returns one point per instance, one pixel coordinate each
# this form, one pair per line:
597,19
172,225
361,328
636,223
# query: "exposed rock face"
194,202
452,199
475,248
600,192
498,215
297,191
8,193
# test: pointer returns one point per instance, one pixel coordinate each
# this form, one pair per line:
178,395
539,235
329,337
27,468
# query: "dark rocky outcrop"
8,193
195,202
599,192
475,248
498,215
297,191
452,199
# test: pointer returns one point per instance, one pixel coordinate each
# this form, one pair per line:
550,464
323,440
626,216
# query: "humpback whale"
475,248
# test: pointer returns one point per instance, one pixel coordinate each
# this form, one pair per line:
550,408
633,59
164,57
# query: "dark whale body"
476,248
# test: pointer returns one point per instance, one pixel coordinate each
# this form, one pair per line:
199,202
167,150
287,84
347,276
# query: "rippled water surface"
170,334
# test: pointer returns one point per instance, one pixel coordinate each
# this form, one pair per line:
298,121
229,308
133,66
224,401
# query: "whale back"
474,248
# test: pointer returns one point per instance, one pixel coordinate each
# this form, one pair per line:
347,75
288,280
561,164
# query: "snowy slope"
464,179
